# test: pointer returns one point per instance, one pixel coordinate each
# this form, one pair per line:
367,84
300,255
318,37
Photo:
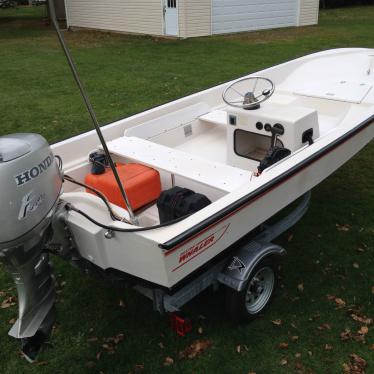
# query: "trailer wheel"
257,293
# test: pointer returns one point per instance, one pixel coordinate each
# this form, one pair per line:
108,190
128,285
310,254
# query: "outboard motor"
30,186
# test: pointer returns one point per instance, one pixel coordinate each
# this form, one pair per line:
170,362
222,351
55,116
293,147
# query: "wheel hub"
259,290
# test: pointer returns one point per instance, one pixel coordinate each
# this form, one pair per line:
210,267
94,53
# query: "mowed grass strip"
330,252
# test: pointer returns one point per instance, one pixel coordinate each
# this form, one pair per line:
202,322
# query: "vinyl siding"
308,12
194,18
140,16
245,15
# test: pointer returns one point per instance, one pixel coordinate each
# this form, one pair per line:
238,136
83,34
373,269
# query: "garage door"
243,15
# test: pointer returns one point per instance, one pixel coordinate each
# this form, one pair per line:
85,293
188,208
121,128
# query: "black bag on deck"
273,155
178,202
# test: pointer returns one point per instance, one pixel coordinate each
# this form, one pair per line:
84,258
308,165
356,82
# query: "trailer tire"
257,294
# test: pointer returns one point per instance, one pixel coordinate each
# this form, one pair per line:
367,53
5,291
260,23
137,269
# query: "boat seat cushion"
217,175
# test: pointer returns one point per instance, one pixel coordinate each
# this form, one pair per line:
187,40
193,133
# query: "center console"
249,132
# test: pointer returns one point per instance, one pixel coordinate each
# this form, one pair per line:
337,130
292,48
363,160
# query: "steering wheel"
262,89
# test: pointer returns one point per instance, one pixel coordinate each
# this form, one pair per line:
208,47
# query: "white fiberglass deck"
213,174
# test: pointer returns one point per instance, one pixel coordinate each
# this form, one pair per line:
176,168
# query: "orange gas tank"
142,184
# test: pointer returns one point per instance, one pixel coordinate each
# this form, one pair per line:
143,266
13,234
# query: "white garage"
244,15
189,18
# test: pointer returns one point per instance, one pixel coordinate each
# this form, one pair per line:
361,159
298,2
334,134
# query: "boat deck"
190,165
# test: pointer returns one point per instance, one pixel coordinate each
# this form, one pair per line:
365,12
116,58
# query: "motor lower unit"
30,186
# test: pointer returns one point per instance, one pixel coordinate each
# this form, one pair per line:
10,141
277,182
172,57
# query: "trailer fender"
240,265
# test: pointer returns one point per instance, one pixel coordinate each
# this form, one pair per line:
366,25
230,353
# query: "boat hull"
167,264
187,256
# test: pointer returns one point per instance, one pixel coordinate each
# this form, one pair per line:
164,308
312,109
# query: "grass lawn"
331,251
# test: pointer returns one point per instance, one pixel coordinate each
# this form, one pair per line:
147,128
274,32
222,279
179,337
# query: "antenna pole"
89,107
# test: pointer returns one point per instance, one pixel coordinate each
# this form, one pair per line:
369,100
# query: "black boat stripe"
245,200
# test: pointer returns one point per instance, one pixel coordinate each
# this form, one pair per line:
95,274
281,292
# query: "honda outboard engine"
30,186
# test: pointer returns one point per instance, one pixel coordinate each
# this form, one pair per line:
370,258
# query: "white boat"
191,143
317,110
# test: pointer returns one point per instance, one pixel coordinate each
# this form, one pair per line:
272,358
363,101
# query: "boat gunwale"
108,125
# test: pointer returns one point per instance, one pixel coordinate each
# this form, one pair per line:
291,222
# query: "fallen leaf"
356,265
195,349
2,293
310,353
92,340
297,355
328,347
324,326
283,362
13,321
339,302
168,361
290,238
358,363
98,355
314,317
346,335
299,366
372,347
283,345
161,345
90,364
346,368
121,304
139,367
277,322
363,330
294,338
8,302
40,363
363,319
344,227
200,330
300,287
359,338
118,338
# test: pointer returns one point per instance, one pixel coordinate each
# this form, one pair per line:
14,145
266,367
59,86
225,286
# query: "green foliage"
343,3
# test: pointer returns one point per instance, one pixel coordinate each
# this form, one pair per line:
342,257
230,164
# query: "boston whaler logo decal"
30,203
237,264
201,246
34,172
